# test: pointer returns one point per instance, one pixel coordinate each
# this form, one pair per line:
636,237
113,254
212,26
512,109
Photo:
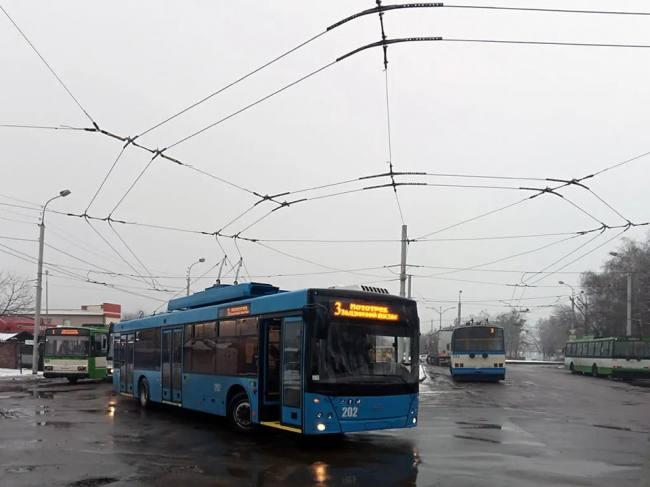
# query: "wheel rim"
242,415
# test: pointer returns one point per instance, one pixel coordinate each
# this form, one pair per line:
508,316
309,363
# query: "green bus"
76,352
609,356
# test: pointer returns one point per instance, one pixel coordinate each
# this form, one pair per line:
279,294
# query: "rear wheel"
143,393
572,368
73,380
240,413
594,370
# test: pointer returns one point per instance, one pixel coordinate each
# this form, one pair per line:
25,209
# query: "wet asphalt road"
542,426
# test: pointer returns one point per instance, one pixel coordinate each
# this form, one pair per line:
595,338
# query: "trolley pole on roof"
402,272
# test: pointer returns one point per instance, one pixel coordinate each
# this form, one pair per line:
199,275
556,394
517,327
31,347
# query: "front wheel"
572,368
73,380
143,393
240,413
594,370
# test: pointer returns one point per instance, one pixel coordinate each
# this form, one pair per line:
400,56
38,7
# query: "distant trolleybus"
609,357
478,353
315,361
75,352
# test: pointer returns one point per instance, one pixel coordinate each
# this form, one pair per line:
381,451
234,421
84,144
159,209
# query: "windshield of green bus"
477,339
67,346
354,352
632,349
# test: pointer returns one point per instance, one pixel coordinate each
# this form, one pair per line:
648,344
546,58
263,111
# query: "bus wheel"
594,370
143,393
240,413
73,380
572,368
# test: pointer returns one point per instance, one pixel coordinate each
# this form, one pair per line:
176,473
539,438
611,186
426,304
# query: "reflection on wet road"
541,427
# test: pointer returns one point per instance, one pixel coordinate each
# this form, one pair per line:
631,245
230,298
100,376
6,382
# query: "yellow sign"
243,309
69,332
363,311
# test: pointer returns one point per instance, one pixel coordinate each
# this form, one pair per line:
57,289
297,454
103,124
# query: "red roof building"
93,314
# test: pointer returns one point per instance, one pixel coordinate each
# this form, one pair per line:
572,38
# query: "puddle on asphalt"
93,482
487,426
486,440
611,427
55,424
20,469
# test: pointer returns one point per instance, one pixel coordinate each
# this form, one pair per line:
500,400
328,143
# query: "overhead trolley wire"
233,83
547,10
41,127
63,85
251,105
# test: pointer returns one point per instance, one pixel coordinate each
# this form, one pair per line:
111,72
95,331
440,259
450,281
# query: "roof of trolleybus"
274,301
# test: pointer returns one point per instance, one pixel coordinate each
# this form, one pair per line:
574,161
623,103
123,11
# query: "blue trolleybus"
315,361
478,353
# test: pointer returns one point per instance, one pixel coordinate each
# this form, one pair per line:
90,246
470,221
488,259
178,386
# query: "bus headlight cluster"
81,367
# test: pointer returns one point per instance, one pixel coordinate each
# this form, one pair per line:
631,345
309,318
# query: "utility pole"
628,328
47,294
460,292
402,271
39,280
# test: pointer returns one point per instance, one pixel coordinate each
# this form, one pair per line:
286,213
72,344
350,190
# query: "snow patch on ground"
16,373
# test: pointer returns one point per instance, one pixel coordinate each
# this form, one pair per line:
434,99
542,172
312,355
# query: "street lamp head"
202,259
614,254
561,282
65,192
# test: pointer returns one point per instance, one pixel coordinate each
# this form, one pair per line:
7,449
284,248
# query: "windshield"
632,349
58,346
364,353
478,339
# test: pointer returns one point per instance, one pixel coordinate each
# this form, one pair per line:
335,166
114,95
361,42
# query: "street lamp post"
573,305
440,313
189,269
460,292
39,280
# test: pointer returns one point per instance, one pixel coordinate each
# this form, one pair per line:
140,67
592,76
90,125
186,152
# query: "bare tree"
132,315
15,295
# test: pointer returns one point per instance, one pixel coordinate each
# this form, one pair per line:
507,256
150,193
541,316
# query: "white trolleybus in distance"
478,353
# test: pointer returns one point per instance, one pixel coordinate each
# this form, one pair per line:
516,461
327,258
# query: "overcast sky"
460,108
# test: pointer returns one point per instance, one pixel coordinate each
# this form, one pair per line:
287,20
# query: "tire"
572,368
239,413
143,393
73,380
594,370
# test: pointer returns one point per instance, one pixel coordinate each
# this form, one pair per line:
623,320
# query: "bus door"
272,363
292,370
126,367
172,356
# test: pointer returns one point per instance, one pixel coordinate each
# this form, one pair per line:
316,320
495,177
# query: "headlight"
415,420
49,367
320,427
81,367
